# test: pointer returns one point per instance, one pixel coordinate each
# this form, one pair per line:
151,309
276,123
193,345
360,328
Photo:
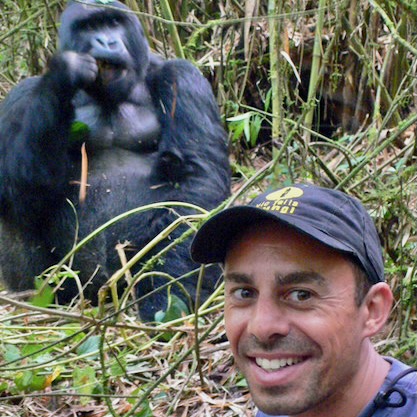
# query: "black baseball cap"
329,216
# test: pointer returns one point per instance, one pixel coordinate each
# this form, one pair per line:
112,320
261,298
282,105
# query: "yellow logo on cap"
282,201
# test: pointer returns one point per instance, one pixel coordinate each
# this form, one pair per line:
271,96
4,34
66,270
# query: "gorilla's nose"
103,43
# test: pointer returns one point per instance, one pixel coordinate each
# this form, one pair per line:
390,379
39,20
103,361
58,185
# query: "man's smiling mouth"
271,365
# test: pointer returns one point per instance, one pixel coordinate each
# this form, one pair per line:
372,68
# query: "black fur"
154,135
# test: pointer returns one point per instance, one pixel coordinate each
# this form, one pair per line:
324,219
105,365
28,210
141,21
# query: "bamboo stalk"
274,9
402,128
392,28
172,29
315,68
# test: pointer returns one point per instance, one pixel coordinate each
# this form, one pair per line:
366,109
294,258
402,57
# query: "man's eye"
243,293
299,295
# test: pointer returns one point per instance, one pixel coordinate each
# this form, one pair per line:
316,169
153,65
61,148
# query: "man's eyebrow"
238,278
301,277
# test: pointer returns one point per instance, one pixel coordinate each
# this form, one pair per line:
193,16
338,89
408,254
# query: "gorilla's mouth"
109,72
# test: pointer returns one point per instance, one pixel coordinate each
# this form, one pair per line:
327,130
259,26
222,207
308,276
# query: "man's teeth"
275,364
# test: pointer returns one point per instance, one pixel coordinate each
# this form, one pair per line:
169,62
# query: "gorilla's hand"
74,70
82,69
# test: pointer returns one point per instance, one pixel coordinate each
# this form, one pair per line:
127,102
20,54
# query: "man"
304,293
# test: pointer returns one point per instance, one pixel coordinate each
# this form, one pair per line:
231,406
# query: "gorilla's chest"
128,126
117,179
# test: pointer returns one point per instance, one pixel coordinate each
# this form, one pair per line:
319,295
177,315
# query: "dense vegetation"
321,91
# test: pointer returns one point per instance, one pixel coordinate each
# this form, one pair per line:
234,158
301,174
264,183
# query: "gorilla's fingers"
81,68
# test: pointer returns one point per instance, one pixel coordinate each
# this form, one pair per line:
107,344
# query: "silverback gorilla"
154,134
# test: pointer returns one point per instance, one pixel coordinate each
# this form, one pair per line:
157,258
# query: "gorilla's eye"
113,22
88,26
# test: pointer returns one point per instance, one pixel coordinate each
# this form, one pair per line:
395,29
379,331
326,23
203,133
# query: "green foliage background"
321,91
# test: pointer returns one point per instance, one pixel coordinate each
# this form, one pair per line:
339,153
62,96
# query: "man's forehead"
284,257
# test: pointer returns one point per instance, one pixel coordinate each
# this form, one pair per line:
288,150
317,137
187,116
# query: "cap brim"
212,240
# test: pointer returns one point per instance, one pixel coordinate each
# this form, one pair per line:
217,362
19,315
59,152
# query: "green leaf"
246,129
247,124
23,380
90,345
242,383
31,349
29,381
254,129
145,410
79,132
239,117
11,353
42,298
4,386
176,309
85,382
118,367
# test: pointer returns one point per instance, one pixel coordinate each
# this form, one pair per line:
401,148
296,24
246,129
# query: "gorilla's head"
113,35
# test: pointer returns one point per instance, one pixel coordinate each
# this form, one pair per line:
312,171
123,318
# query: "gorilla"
152,132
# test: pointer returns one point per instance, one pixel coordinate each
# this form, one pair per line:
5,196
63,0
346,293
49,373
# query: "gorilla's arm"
35,122
190,124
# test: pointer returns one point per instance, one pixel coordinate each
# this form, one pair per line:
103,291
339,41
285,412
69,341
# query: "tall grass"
311,91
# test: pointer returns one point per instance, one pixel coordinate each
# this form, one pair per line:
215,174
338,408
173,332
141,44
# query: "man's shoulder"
401,375
398,394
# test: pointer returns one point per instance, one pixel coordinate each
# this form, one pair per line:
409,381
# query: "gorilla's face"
105,39
115,39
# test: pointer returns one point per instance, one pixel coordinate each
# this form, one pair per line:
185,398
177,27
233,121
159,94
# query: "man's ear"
377,305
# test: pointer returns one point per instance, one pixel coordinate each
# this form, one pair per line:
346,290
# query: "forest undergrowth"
310,91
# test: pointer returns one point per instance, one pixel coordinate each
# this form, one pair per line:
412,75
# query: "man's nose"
269,320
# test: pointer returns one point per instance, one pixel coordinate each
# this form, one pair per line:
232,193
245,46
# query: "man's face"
292,322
